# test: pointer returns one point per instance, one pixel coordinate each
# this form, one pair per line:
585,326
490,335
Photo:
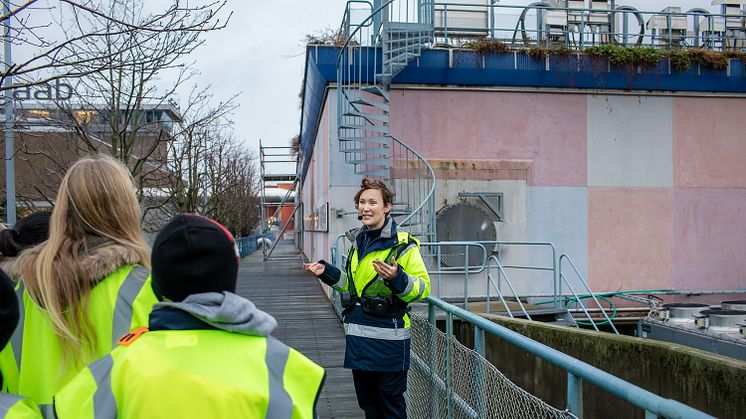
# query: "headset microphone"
359,217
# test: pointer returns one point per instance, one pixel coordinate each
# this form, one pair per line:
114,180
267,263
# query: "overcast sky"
261,54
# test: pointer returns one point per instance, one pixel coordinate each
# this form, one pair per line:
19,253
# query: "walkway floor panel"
306,322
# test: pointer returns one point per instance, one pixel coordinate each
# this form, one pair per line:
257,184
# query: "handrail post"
489,278
479,347
445,23
466,279
449,364
557,283
430,356
575,395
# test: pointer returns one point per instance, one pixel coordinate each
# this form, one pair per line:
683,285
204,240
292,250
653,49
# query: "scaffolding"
275,164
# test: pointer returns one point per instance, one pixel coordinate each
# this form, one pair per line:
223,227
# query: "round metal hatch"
683,312
733,305
463,222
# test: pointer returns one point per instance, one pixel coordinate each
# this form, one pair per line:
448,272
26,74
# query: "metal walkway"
306,322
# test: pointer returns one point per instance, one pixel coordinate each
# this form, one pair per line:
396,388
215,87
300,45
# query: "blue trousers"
381,394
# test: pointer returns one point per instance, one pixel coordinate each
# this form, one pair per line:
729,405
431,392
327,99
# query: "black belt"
382,306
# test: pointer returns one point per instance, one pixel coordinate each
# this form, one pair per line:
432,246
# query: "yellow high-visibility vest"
32,363
17,407
195,373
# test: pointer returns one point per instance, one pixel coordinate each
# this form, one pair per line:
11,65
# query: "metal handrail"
501,272
577,370
430,198
493,261
553,268
577,297
689,38
347,16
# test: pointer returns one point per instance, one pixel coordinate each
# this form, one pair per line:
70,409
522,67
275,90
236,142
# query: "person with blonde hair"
84,287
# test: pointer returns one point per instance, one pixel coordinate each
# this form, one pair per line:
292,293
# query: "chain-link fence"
474,387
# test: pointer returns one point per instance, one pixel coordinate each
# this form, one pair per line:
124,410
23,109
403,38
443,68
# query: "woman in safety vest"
208,352
12,407
384,273
84,287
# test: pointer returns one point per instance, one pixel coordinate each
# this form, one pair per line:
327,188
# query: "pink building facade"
643,190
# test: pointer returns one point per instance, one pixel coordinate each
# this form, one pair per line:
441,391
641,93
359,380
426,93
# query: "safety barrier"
250,244
461,383
544,24
455,257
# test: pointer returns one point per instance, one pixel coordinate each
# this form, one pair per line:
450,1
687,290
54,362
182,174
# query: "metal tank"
463,222
721,321
681,313
733,305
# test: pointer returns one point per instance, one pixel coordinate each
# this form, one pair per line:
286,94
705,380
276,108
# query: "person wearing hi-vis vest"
12,407
208,352
82,288
384,273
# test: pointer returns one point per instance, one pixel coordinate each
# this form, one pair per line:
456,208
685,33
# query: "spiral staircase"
376,49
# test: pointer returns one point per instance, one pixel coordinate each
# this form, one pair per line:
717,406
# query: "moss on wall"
706,381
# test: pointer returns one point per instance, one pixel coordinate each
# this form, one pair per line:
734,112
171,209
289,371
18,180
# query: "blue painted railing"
250,244
577,371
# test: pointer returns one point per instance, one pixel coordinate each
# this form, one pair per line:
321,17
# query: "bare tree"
117,53
120,107
232,187
210,172
91,23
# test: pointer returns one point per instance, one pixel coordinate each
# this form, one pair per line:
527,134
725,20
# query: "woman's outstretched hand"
386,271
315,268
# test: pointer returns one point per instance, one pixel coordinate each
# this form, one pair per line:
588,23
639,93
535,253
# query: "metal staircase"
376,49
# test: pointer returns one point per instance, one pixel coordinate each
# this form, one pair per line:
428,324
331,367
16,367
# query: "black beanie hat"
28,231
192,255
8,309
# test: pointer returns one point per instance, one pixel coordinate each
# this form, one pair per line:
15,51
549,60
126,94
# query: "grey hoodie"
225,311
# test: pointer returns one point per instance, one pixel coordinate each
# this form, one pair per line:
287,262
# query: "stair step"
379,140
368,116
407,27
407,38
408,47
376,172
371,162
400,58
376,90
360,101
384,151
371,128
394,38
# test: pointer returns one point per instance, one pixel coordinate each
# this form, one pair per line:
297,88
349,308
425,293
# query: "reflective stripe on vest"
104,403
16,340
6,402
352,329
126,295
342,281
280,404
12,406
47,410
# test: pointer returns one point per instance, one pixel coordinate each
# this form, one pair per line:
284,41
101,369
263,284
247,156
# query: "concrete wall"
708,382
641,191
